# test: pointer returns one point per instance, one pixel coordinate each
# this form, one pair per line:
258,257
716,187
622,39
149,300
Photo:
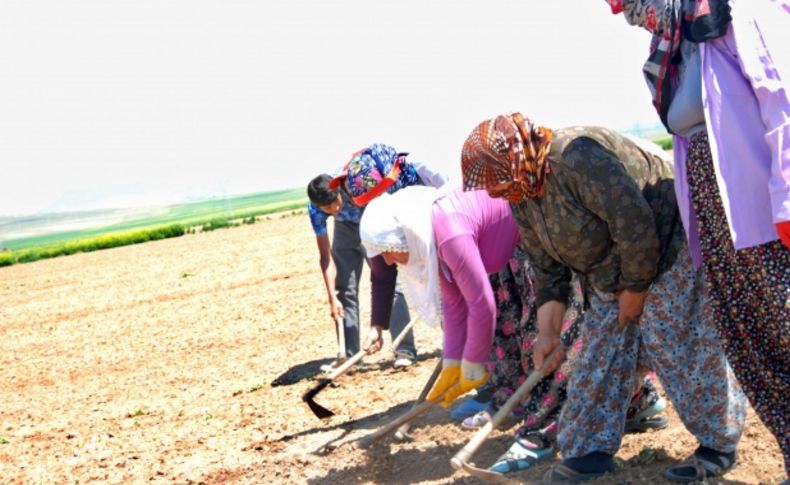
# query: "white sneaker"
403,359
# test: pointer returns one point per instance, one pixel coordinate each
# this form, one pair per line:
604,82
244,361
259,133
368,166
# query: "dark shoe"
654,423
698,467
577,470
563,474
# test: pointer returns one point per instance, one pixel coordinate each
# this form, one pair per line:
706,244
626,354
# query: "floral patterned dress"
511,352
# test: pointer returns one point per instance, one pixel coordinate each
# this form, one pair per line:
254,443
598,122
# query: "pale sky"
123,103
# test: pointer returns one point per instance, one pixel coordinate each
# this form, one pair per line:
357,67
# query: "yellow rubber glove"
451,372
473,375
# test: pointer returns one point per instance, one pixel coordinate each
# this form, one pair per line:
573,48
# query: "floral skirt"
750,291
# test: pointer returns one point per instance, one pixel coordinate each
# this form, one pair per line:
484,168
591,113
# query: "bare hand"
336,309
544,345
374,341
631,306
550,315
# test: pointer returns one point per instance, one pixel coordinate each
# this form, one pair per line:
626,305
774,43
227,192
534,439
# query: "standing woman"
590,201
718,89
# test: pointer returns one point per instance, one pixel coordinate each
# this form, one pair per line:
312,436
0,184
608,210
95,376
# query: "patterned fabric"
511,357
507,156
699,20
749,290
348,213
374,170
609,213
676,337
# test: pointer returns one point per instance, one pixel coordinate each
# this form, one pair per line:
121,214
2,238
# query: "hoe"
309,397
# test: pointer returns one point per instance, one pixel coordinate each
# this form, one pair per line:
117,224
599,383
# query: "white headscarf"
402,222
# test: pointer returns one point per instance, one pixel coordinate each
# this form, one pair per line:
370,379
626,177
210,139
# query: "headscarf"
373,171
401,220
508,150
667,20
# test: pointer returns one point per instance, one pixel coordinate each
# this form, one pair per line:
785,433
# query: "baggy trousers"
511,353
676,337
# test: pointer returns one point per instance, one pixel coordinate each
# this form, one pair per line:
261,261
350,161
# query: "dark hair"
319,192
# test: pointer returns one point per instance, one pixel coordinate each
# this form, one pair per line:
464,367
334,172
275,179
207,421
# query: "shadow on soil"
386,465
645,468
311,369
390,466
369,422
392,462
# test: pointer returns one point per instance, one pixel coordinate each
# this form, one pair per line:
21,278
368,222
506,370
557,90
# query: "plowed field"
184,361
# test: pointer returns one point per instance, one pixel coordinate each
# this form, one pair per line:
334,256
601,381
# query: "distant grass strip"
7,259
243,217
126,238
91,244
189,215
664,141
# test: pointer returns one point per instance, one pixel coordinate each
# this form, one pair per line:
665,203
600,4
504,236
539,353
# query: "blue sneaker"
648,419
469,407
521,455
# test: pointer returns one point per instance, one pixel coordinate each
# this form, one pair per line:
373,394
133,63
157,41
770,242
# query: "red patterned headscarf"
507,157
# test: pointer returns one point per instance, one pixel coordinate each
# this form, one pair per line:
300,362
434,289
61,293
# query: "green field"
164,222
664,141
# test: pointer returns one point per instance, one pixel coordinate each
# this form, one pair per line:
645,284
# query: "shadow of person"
398,468
312,369
352,430
300,372
369,422
647,466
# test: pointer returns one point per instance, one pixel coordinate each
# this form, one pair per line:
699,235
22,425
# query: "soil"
185,361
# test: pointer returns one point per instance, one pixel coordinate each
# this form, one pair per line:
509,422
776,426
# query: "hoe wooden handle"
463,456
415,411
403,430
341,338
346,365
402,335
